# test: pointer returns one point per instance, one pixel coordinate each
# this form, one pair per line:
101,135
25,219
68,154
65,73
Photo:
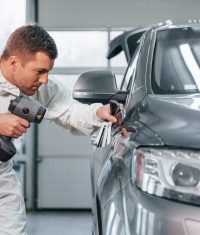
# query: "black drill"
27,109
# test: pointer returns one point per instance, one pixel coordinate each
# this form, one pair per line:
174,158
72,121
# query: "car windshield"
176,64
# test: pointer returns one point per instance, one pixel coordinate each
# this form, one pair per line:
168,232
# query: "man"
28,57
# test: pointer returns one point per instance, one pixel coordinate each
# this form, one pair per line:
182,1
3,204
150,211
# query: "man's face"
29,75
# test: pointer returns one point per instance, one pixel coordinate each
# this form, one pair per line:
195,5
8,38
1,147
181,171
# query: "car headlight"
169,173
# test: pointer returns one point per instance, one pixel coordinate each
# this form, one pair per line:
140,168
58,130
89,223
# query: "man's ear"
13,62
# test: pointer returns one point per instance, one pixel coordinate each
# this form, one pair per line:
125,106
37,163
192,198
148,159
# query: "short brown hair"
30,39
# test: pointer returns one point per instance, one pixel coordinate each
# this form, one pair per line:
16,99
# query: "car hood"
174,118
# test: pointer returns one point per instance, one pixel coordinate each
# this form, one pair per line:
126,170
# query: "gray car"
147,180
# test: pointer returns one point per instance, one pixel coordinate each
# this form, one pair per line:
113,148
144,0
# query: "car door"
100,167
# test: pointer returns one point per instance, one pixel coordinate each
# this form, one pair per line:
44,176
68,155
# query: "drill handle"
6,138
7,148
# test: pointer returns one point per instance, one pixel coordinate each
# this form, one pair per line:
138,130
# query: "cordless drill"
27,109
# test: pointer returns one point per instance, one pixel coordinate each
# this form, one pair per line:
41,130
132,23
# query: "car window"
176,64
130,71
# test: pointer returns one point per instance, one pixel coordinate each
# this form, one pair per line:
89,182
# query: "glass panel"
119,78
176,67
66,80
81,48
130,71
12,15
10,19
120,59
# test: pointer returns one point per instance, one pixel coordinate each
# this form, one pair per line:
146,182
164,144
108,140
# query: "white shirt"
60,106
62,109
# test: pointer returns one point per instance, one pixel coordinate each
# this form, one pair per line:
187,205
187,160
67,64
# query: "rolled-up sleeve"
65,111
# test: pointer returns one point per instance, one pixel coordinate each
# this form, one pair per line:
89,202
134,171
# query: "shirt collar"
7,88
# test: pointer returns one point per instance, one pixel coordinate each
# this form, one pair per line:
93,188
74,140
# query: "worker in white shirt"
27,58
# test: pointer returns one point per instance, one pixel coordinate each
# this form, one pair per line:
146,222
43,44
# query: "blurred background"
52,165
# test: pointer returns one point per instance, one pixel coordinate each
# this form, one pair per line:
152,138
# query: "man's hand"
104,113
12,125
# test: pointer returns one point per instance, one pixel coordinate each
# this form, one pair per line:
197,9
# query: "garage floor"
59,223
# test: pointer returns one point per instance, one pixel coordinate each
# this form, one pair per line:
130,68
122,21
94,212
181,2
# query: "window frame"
79,70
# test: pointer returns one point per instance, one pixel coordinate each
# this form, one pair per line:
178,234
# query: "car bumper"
151,215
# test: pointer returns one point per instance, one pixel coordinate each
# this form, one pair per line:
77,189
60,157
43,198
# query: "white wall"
114,13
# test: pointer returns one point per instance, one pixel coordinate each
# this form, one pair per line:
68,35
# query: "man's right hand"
13,126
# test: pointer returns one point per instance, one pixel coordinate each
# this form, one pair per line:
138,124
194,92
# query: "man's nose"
44,78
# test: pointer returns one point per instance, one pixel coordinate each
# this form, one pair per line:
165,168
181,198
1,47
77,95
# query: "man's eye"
40,72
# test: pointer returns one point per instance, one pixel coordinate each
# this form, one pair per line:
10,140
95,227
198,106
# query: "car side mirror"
98,87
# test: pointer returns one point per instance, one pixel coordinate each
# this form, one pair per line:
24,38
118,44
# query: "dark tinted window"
176,65
133,42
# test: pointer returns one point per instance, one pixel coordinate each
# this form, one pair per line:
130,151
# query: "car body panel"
127,210
183,131
151,120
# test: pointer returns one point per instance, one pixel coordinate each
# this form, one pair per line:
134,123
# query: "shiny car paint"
151,120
